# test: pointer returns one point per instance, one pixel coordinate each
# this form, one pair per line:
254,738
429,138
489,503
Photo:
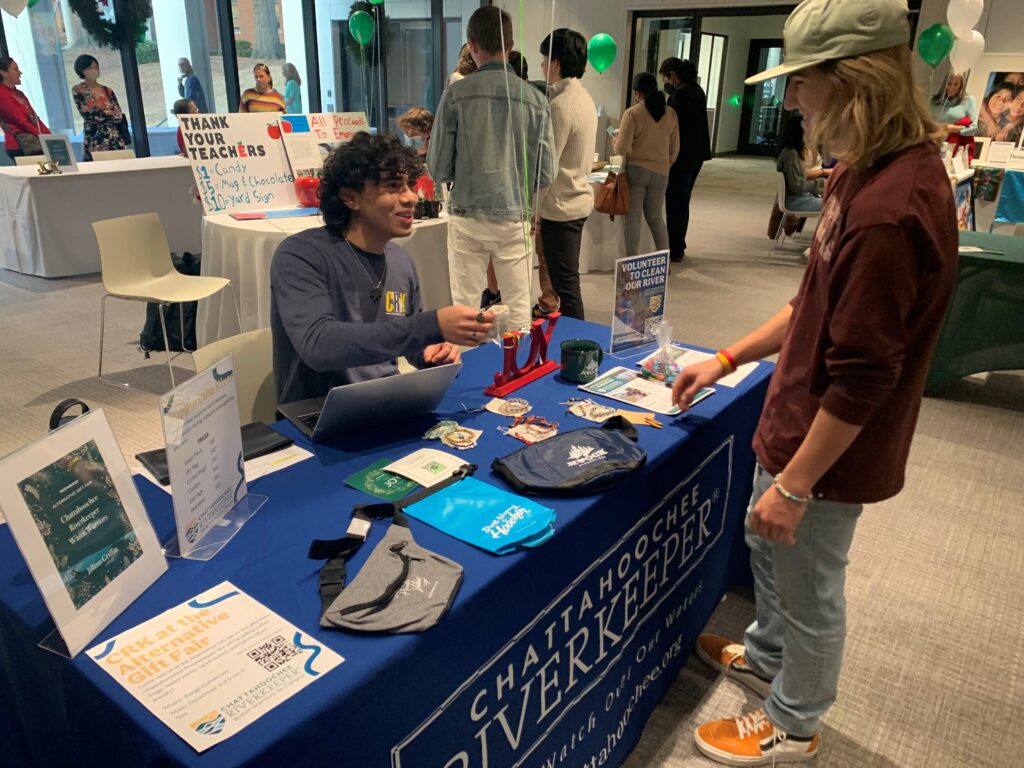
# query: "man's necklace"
377,290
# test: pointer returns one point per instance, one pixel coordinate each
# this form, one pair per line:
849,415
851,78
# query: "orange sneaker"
728,657
752,740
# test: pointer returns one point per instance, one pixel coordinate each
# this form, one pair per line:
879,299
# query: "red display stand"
537,364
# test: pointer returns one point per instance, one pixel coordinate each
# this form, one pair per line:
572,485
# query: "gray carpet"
932,677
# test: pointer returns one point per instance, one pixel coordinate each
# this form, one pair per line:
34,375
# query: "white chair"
29,159
780,236
135,263
253,355
113,154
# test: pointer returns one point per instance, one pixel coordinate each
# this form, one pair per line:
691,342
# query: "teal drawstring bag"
494,520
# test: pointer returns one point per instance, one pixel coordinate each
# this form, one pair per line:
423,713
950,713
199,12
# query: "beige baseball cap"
820,30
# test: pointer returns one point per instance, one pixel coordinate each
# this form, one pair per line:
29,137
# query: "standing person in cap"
854,350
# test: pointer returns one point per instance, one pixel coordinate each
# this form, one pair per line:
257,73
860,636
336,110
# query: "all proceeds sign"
238,161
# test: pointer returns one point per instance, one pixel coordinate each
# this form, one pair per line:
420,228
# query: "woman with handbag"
648,139
98,106
19,122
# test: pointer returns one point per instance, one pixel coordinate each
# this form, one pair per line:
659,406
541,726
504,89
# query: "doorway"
762,111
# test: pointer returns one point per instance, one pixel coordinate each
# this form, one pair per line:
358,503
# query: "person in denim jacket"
478,143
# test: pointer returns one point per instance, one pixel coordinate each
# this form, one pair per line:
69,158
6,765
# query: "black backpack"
152,338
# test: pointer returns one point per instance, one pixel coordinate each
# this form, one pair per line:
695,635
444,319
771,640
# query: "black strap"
62,408
379,603
623,425
338,551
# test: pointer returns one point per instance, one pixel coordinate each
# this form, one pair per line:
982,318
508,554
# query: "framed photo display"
57,148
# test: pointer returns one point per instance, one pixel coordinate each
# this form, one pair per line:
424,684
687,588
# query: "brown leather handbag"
612,196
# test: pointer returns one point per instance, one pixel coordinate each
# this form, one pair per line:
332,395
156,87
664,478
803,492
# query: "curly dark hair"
364,158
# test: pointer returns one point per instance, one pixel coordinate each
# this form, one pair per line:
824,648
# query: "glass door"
656,38
710,74
762,111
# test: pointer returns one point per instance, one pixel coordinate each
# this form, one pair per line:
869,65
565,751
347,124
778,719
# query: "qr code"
651,326
274,653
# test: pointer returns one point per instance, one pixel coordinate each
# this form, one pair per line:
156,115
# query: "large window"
383,79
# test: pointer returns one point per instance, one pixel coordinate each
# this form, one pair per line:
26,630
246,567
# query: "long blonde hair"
875,108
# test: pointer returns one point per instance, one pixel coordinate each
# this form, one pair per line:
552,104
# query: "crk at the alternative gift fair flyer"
213,665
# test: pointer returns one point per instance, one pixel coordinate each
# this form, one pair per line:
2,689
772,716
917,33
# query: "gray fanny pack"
401,587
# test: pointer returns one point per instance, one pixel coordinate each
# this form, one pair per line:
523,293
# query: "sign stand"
537,364
221,533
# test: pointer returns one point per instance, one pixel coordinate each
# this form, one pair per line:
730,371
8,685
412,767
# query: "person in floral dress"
98,106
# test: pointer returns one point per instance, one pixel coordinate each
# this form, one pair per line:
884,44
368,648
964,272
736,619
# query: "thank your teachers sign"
238,161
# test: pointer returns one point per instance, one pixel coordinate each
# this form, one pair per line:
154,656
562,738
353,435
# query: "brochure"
628,386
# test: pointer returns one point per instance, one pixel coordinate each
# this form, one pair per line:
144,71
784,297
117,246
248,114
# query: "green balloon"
360,24
935,44
32,3
601,51
376,2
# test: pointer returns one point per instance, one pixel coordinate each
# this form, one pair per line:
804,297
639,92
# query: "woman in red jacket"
16,114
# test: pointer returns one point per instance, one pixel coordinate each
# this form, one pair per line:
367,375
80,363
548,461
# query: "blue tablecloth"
552,656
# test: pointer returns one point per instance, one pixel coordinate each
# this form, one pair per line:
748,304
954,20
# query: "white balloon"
967,51
962,15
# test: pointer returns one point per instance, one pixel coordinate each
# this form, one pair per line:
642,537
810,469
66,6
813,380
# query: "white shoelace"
755,722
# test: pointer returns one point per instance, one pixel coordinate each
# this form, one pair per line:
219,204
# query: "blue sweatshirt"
327,328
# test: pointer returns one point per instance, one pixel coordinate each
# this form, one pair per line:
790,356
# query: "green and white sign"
77,518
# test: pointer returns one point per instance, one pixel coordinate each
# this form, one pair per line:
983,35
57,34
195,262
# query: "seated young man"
345,300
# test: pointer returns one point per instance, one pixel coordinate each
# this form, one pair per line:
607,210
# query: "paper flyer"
426,466
628,386
300,143
377,481
213,665
684,356
641,284
204,451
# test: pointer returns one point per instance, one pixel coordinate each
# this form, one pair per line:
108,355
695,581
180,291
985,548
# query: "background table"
984,327
46,221
568,645
242,251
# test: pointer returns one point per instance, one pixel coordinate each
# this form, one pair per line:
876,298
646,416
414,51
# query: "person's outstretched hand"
693,378
465,326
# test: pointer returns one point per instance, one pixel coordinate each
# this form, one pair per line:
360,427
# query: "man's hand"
465,326
441,354
692,378
775,518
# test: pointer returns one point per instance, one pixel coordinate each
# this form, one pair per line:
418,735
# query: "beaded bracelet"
790,496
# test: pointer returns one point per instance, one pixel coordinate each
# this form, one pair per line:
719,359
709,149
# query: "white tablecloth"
46,221
242,251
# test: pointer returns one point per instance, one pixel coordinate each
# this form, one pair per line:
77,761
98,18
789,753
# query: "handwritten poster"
238,161
213,665
334,128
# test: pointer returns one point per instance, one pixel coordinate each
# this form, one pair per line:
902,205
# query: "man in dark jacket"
687,98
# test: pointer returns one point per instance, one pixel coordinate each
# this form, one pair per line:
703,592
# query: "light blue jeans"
797,638
803,203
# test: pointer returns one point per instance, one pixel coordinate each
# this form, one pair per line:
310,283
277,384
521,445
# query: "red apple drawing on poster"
273,131
286,127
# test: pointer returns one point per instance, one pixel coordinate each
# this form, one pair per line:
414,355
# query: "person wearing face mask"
105,127
262,98
345,300
855,347
416,123
690,103
16,114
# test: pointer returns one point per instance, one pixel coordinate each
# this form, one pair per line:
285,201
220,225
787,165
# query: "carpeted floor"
932,677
